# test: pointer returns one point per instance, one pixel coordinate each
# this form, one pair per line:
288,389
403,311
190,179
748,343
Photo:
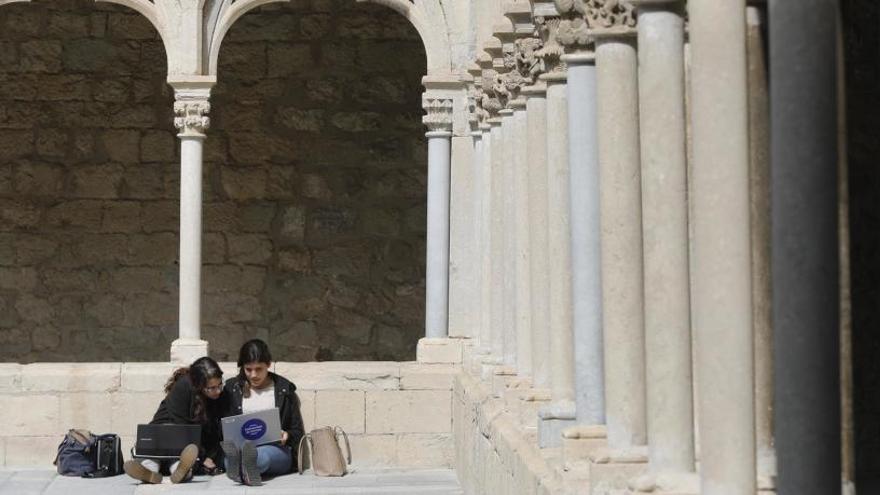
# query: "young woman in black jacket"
255,389
192,396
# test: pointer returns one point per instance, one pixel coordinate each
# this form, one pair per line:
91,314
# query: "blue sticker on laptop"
253,429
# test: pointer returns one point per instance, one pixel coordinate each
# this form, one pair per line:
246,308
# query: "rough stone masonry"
314,185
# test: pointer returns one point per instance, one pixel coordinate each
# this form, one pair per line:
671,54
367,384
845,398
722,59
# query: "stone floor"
367,482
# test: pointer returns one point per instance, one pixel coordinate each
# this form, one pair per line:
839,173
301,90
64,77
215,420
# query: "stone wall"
396,414
314,185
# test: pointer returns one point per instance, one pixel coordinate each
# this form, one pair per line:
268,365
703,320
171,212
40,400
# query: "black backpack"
90,456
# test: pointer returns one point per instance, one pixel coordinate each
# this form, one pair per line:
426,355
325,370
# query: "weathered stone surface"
42,418
413,411
419,376
373,450
29,451
50,377
341,408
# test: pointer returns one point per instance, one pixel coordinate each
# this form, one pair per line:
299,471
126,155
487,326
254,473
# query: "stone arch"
427,19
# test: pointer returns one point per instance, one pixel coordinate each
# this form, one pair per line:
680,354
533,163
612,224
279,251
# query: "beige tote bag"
324,451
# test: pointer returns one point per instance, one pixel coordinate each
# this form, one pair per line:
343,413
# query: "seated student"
192,396
256,389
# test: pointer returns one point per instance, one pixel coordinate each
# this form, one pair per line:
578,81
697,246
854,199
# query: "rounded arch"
4,2
151,13
430,27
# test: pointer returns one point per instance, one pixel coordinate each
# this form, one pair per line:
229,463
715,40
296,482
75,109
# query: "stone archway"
323,174
89,204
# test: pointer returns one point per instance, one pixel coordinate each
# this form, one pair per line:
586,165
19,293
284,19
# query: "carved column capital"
551,50
192,105
584,20
439,113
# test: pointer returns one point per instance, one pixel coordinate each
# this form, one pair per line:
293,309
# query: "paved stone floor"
367,482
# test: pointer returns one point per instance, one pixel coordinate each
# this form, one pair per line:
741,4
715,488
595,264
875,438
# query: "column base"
439,351
579,442
503,377
530,403
553,419
487,368
666,483
185,351
611,469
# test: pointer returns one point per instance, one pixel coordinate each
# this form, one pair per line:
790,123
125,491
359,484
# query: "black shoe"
233,460
250,473
188,457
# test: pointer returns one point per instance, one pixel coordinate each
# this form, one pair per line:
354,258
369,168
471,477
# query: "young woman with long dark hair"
192,397
255,389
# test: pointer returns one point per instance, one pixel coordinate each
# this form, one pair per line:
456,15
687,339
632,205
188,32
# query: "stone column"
806,319
536,111
497,239
665,220
508,222
586,260
560,413
522,256
621,220
759,176
722,249
439,123
191,108
478,240
486,335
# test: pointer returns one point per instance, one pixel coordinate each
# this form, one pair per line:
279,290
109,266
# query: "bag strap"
299,455
338,430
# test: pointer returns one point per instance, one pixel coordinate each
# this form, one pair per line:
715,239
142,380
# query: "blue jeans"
272,460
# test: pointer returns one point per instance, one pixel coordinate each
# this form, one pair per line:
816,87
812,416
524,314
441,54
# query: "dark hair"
199,372
252,351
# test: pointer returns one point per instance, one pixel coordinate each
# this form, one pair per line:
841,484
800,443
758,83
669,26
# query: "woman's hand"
284,437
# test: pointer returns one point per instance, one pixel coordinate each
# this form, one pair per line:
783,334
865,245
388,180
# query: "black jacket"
285,400
178,408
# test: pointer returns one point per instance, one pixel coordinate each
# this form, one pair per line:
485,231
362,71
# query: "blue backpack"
75,454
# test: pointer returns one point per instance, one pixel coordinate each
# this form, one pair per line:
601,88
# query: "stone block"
373,450
579,442
307,407
611,471
342,375
67,377
412,411
30,451
418,376
10,377
343,408
92,411
145,377
133,408
41,418
438,351
425,450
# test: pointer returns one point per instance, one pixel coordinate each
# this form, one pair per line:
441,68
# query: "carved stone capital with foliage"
583,20
551,50
191,116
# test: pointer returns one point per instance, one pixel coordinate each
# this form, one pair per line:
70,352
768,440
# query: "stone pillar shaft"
536,109
722,249
521,206
806,320
437,269
497,238
190,236
486,297
508,232
464,280
621,205
479,239
665,220
585,239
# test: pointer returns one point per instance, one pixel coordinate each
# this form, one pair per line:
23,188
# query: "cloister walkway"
367,482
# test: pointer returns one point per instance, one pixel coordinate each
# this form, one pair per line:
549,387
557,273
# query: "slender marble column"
586,261
486,297
536,116
759,176
806,318
722,249
439,123
477,245
665,220
621,210
521,206
561,412
464,280
191,108
497,238
508,223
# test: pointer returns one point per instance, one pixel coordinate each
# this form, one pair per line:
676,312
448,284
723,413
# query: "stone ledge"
433,351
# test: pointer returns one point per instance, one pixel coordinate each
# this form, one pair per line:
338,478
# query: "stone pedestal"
553,419
580,442
612,469
531,403
432,351
185,351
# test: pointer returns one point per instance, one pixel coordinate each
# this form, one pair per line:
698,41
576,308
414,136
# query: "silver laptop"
259,427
